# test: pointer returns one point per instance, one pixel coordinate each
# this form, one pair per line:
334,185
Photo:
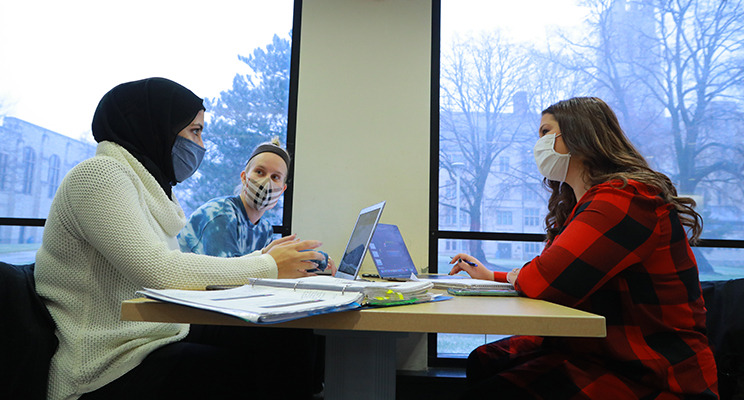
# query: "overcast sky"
60,57
524,20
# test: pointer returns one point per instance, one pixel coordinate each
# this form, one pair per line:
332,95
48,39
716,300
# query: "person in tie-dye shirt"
232,226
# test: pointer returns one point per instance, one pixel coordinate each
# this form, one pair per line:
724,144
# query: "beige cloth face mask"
261,194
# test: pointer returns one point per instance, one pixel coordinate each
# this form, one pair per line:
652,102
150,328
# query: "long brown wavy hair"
592,134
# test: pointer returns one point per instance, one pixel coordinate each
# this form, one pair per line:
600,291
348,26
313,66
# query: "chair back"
27,339
724,301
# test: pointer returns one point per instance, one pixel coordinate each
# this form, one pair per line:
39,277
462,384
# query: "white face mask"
261,194
551,164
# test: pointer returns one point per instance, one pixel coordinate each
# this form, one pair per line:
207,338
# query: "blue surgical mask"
187,156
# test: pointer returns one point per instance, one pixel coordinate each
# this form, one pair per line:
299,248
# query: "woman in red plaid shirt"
617,246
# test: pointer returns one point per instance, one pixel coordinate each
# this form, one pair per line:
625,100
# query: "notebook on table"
392,259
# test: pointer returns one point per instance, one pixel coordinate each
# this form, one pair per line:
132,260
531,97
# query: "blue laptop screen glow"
389,252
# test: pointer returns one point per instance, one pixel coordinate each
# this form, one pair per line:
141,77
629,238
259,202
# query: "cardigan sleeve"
611,229
106,208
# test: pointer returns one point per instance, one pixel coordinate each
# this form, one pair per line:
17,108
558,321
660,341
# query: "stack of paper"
278,300
261,304
400,290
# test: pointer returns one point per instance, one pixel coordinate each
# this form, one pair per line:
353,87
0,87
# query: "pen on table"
293,303
472,264
244,297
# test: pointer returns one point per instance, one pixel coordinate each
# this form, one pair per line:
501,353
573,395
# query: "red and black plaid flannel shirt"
623,254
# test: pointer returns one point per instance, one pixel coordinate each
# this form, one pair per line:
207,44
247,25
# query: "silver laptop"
391,257
356,248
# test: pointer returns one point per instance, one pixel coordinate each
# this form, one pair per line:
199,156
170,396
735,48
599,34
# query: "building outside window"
450,245
504,218
53,175
3,170
533,192
503,164
531,217
447,216
29,162
531,250
450,187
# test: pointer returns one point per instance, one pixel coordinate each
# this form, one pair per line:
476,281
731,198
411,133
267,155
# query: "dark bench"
725,322
26,334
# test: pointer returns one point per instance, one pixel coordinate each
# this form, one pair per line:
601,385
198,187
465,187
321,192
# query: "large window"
671,71
63,57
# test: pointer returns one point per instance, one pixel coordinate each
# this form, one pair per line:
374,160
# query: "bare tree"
479,79
700,49
674,72
605,56
553,78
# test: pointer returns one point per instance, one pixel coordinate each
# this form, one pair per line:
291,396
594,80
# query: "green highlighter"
388,303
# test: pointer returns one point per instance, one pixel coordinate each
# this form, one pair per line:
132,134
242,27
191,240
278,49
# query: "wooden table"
361,345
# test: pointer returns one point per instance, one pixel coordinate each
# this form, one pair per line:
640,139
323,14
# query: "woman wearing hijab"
112,230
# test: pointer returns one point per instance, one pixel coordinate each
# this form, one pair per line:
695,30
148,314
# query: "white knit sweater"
111,231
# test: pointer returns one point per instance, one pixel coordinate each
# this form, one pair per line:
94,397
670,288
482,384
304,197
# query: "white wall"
363,126
363,120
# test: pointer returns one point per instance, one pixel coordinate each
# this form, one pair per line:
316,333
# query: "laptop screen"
390,253
356,248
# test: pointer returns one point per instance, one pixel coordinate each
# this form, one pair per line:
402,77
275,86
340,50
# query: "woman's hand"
278,241
332,266
472,266
291,260
511,276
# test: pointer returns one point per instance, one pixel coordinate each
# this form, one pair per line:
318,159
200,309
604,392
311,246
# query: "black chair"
725,323
27,340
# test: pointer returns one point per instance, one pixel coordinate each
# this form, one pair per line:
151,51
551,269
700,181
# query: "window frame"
435,234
